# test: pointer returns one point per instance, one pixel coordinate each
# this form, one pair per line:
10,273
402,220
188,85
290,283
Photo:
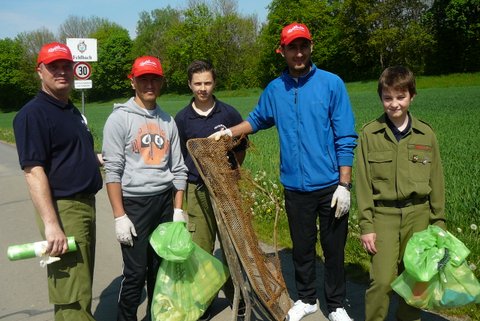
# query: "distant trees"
109,73
80,27
215,32
377,34
17,81
455,25
353,38
151,31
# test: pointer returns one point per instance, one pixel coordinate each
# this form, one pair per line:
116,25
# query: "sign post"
82,71
83,49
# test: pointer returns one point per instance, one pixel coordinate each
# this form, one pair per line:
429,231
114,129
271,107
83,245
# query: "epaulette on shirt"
424,122
376,122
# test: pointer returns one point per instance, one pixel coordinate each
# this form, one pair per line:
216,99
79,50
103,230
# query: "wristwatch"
348,186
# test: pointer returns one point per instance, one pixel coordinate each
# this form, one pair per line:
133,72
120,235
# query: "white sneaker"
299,310
339,315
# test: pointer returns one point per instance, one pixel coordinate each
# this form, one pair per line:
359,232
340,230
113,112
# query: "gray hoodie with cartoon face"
141,150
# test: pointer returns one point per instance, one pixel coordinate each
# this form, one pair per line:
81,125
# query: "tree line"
354,38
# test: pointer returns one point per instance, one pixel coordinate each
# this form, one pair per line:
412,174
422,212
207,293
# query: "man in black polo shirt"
55,150
202,117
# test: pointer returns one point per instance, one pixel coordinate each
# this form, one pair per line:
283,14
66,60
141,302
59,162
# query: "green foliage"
34,40
378,34
15,74
151,30
80,27
219,35
234,46
109,74
456,27
186,41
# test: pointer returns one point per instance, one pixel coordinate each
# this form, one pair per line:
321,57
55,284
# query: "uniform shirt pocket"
420,161
380,165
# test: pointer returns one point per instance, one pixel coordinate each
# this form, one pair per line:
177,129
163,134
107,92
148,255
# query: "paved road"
23,286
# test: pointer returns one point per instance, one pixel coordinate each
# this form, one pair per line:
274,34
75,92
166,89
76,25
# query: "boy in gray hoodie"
145,179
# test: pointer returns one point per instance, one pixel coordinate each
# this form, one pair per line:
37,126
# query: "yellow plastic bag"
185,289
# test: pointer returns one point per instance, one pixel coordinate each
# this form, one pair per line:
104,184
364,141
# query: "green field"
450,104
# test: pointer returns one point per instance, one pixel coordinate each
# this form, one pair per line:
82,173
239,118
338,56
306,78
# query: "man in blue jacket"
311,110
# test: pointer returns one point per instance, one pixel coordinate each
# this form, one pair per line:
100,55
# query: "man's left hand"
341,198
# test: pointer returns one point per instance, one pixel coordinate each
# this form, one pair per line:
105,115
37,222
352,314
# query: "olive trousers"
70,279
394,227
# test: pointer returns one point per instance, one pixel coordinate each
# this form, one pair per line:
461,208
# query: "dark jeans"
140,262
304,210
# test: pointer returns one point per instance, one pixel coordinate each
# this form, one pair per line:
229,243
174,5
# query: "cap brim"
50,60
144,72
294,38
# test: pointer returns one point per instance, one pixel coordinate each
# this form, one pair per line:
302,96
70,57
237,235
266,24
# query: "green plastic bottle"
36,249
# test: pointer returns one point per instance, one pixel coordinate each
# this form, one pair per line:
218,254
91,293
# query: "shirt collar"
193,114
397,133
55,101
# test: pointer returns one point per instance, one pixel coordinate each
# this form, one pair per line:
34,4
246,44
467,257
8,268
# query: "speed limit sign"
82,70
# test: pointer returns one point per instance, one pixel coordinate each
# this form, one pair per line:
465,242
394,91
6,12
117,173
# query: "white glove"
178,215
341,198
47,259
220,133
40,250
124,230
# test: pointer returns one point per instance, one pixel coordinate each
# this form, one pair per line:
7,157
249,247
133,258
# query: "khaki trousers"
394,227
201,219
70,279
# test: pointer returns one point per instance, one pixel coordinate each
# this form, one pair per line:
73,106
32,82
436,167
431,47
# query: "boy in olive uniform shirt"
400,188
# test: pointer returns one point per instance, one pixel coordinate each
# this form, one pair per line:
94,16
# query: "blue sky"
18,16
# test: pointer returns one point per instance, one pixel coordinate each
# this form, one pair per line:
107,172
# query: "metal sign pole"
83,102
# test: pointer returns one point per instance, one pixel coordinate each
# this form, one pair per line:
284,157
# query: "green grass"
451,104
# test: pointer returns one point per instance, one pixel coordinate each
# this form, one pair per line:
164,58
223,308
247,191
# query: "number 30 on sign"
82,70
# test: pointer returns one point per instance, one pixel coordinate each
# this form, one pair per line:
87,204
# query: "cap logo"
148,63
57,48
296,27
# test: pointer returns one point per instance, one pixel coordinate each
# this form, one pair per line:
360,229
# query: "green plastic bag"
441,278
184,288
426,249
451,287
171,241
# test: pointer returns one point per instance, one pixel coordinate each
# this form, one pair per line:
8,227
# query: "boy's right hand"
368,242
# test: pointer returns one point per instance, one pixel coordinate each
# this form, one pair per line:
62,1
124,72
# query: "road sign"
82,70
83,49
83,84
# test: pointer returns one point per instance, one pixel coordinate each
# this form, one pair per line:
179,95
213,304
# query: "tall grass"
450,104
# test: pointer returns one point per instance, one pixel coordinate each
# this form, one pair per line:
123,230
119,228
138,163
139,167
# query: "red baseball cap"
293,31
146,65
54,51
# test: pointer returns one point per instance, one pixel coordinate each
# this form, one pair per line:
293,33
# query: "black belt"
402,203
78,196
